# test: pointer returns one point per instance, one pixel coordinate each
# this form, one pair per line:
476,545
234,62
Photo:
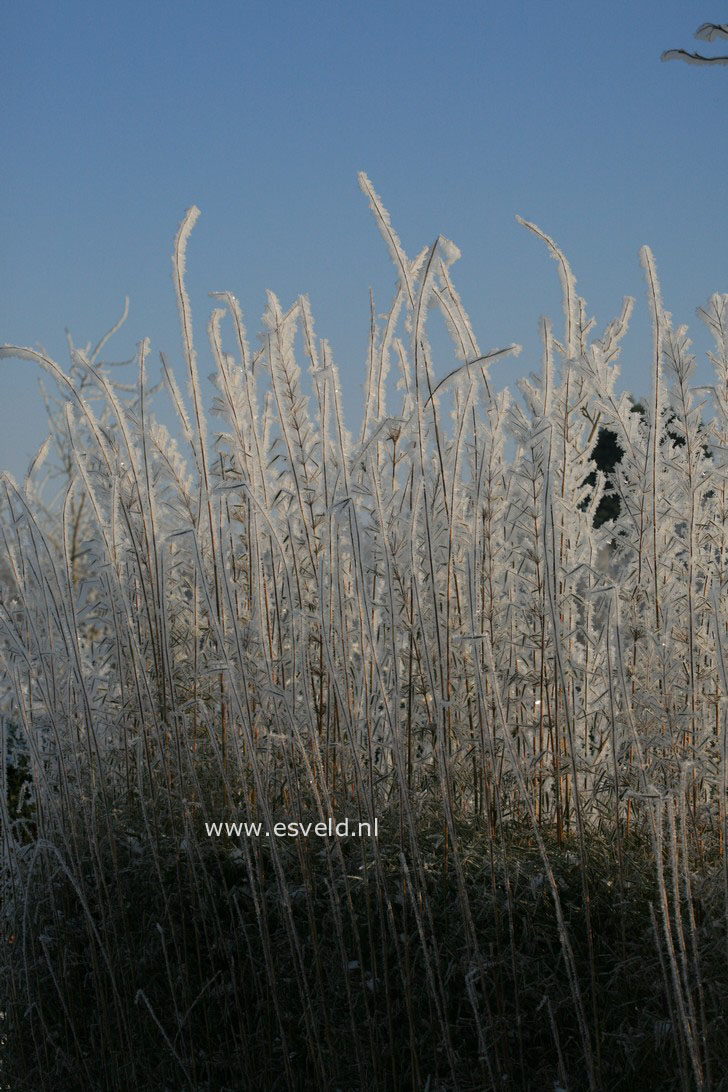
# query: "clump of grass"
416,626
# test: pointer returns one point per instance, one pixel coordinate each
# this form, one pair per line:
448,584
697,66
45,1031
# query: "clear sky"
117,117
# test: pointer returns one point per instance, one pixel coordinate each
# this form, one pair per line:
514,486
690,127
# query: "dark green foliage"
18,780
606,454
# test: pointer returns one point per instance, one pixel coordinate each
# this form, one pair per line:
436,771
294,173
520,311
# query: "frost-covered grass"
419,623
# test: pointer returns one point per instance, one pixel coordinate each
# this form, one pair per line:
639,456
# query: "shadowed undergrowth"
212,983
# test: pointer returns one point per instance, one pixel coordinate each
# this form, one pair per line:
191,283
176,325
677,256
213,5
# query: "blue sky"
115,118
